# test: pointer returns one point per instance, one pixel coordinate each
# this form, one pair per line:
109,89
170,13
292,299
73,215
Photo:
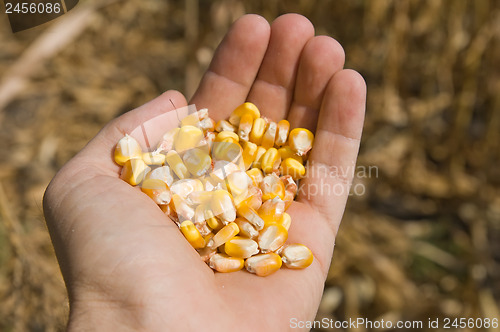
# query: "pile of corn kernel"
227,185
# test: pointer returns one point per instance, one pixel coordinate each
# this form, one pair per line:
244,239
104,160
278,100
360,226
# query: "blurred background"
420,237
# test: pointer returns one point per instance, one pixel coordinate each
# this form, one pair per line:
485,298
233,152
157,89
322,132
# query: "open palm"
127,266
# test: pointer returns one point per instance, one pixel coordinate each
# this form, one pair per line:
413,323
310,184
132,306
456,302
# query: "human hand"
127,266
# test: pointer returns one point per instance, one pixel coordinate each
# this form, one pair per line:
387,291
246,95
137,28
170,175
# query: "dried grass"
423,241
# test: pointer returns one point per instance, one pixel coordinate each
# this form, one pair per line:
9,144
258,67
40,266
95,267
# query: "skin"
127,266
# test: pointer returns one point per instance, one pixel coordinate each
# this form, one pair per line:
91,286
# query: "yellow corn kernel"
296,256
192,234
181,208
245,126
209,140
197,161
222,168
167,141
187,138
153,158
286,221
222,206
207,125
300,140
237,183
282,132
270,135
199,197
271,187
206,253
254,197
245,211
225,263
270,161
227,151
127,148
176,164
200,221
163,173
246,228
287,152
272,237
256,176
185,187
224,125
195,118
247,107
272,210
223,235
214,223
227,136
263,264
157,190
258,129
248,154
241,247
258,157
293,168
134,171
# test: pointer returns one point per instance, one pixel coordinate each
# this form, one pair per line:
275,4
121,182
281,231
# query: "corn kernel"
245,126
258,157
163,173
287,152
227,151
200,220
227,136
181,208
185,187
247,107
207,125
206,253
153,158
199,196
296,256
224,125
241,247
195,118
167,141
286,221
271,187
176,164
222,206
282,132
293,168
157,190
246,228
197,161
222,168
245,211
223,235
270,161
192,234
248,154
254,197
272,237
258,129
187,138
269,135
134,171
209,140
263,264
272,210
224,263
256,175
300,140
237,183
127,148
